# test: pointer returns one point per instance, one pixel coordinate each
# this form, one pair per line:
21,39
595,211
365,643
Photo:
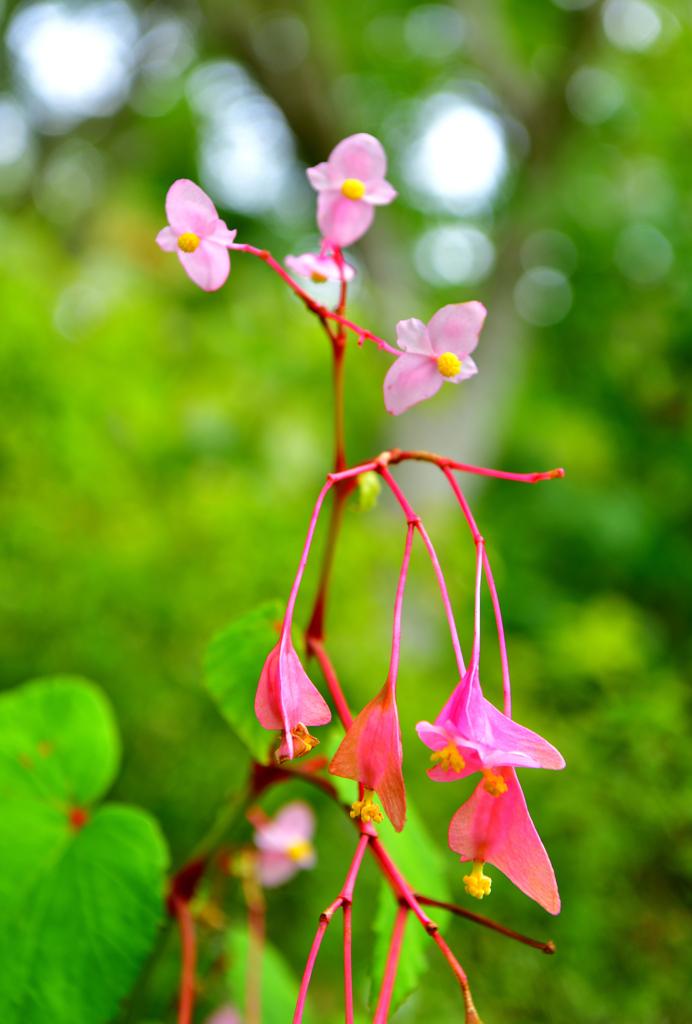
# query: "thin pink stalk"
476,652
307,973
459,973
391,967
316,647
397,879
526,478
304,557
348,965
398,603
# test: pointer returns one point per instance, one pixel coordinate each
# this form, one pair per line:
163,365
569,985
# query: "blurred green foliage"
161,449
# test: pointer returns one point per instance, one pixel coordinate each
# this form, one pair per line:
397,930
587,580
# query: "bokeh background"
160,448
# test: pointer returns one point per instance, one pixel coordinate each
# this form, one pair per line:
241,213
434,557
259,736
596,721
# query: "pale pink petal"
468,368
221,235
167,239
224,1015
499,830
379,193
410,379
208,266
342,220
276,868
296,820
188,208
321,177
412,336
455,328
310,263
359,156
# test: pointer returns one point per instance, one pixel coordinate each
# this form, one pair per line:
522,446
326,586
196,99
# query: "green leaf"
422,863
279,984
232,668
81,890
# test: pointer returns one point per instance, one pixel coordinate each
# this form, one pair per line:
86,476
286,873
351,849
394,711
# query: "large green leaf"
279,985
232,667
80,888
422,863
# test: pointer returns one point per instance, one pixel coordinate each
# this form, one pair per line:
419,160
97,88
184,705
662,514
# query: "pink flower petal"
410,379
221,235
359,156
188,208
320,177
276,868
379,193
341,220
468,369
310,263
285,694
412,336
208,266
224,1015
296,821
455,328
167,239
499,830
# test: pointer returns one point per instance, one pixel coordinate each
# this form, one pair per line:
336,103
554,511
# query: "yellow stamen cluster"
448,364
353,188
317,278
494,784
188,241
366,810
477,884
449,757
300,850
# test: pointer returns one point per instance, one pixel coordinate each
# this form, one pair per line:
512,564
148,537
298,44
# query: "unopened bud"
369,487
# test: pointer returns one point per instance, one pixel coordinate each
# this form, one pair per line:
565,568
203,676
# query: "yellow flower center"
494,784
353,188
188,241
477,884
449,757
317,278
299,850
365,809
448,364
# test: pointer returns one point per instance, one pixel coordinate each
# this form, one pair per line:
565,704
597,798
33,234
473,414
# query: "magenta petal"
410,379
342,221
359,156
412,336
320,177
379,193
499,830
221,235
208,266
455,328
167,239
285,694
188,208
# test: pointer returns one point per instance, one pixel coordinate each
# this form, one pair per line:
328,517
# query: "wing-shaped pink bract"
285,695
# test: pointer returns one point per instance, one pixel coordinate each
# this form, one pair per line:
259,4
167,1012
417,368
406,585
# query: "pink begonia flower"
371,753
285,844
197,234
499,831
225,1015
432,355
319,268
350,184
287,700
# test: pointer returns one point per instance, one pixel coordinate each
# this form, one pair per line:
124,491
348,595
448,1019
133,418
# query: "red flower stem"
385,997
396,455
307,973
315,630
348,965
398,604
459,973
476,652
316,647
405,891
545,947
188,943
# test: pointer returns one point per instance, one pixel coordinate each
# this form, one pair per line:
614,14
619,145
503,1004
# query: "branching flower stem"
391,966
188,942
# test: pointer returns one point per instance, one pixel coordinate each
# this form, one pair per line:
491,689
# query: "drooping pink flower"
200,238
350,184
433,354
319,268
285,843
499,831
287,700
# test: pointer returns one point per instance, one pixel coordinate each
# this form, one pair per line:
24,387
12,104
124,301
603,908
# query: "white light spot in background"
643,254
163,53
549,249
434,32
594,95
14,131
631,24
454,254
73,61
280,42
542,296
459,159
247,153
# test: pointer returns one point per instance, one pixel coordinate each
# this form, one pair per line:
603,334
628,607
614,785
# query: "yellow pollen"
477,884
449,757
317,278
365,809
494,784
299,850
448,364
188,242
353,188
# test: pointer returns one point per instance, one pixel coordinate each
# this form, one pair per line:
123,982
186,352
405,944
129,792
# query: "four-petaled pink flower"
197,234
285,843
320,268
350,184
287,700
499,831
433,354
